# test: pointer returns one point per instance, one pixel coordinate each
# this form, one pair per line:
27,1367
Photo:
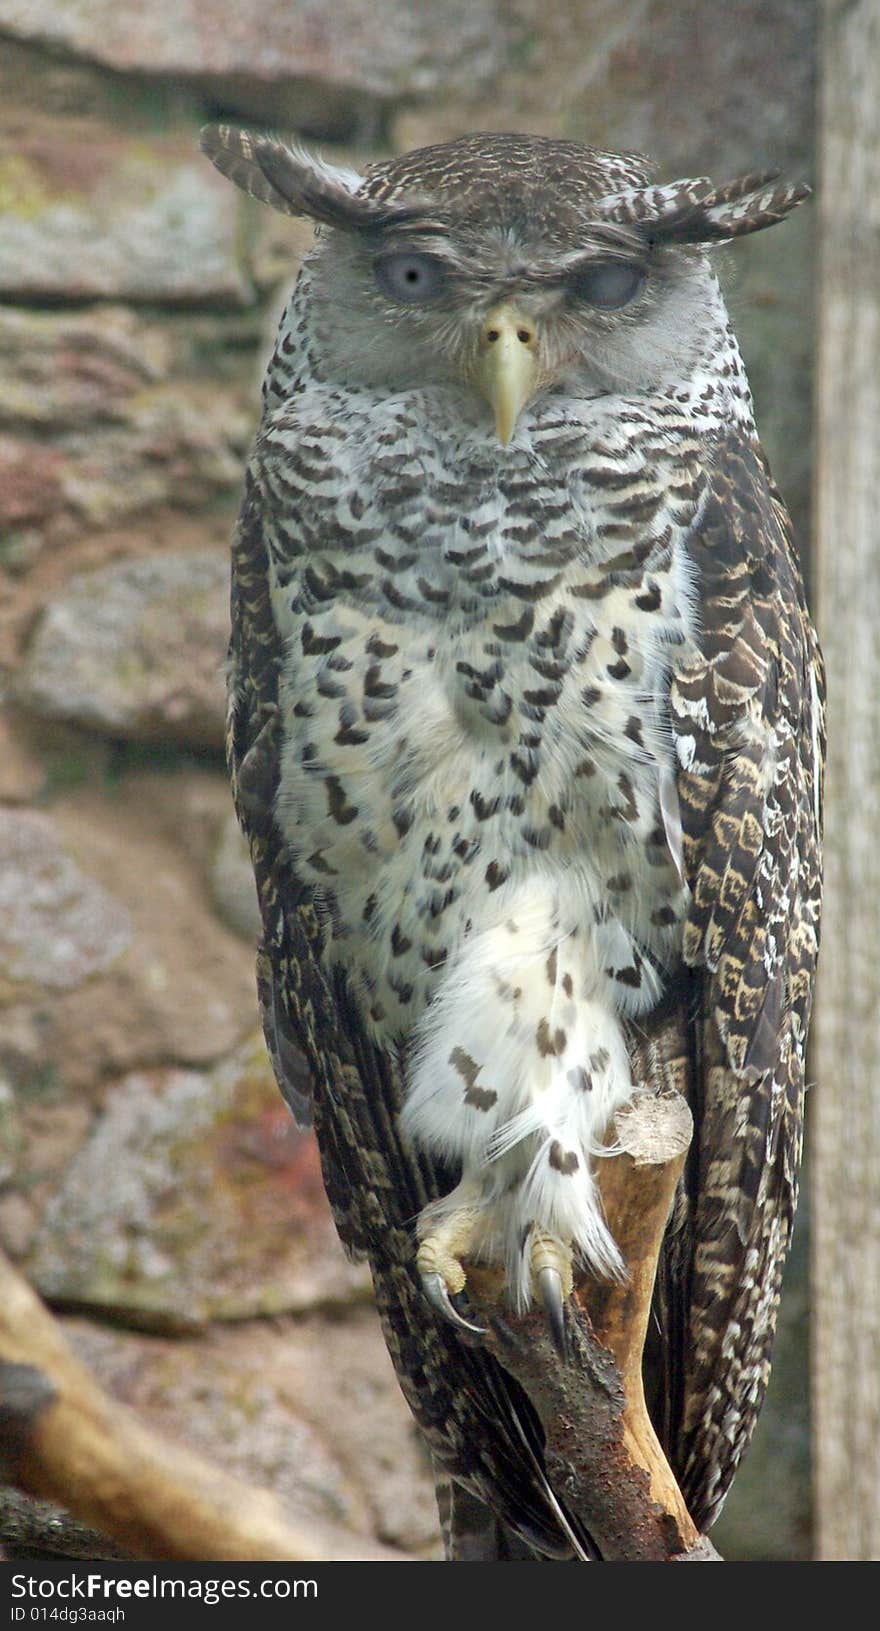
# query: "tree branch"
63,1438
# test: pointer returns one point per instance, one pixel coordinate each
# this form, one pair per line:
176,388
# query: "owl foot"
437,1293
439,1261
550,1263
439,1264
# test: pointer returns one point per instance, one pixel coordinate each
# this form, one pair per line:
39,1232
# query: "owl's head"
512,265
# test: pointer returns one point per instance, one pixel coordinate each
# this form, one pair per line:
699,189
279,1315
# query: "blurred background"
151,1184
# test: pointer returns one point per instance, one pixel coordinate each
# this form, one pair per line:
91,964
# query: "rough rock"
10,1133
44,1134
277,246
225,1407
233,890
109,418
105,365
393,49
18,1223
58,927
78,367
182,989
137,650
700,88
651,80
194,810
22,773
185,989
194,1198
345,1386
62,86
22,1041
30,484
91,212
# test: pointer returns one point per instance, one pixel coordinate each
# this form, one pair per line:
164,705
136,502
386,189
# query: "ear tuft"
286,178
299,183
695,211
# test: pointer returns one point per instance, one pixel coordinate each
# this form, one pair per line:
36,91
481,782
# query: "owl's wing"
477,1422
748,722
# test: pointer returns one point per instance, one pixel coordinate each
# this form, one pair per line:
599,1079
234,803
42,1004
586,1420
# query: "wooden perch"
603,1456
62,1438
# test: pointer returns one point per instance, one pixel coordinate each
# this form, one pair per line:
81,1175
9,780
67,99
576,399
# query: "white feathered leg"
520,1067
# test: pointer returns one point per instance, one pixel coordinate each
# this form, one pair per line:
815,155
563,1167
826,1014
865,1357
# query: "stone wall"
150,1182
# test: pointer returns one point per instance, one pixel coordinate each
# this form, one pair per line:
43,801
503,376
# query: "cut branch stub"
637,1186
603,1457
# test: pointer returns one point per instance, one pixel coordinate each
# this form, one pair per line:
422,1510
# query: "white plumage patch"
519,1066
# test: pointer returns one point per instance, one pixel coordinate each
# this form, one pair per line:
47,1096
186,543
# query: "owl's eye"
608,285
414,280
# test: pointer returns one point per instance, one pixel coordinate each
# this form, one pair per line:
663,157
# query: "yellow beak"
506,371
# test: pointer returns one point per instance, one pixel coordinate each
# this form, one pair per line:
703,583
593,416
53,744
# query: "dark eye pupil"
608,285
409,279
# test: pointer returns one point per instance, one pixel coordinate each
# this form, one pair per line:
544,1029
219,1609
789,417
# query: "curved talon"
437,1293
548,1283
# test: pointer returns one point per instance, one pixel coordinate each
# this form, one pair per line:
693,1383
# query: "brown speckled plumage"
526,743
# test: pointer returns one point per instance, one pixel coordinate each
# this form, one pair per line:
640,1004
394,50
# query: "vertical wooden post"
846,1108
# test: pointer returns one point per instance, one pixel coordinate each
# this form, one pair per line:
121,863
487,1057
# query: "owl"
525,731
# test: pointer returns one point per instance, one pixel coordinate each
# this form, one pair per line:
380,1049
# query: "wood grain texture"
846,1228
